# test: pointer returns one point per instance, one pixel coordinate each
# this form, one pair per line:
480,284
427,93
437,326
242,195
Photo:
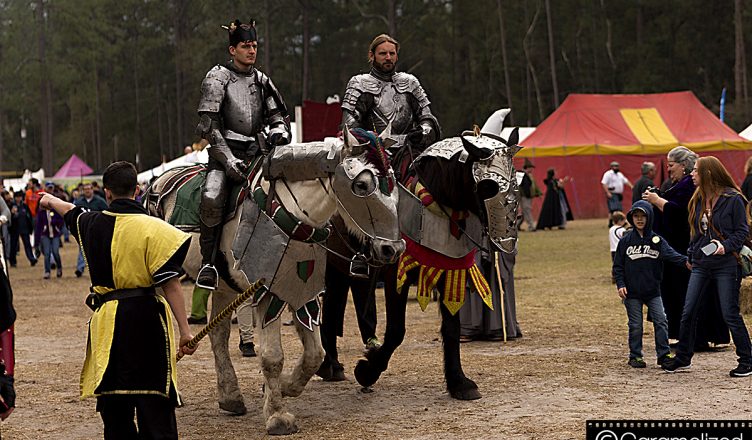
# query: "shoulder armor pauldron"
359,84
213,89
407,83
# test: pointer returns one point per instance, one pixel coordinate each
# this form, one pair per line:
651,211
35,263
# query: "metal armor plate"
306,161
236,97
445,149
294,270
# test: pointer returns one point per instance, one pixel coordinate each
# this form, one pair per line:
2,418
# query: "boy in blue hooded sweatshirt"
638,270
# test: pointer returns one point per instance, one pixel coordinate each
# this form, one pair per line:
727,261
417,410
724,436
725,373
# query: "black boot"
207,275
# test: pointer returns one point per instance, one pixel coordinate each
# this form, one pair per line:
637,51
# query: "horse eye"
364,183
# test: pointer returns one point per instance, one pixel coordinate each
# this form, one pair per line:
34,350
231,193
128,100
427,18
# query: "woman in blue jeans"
47,232
718,228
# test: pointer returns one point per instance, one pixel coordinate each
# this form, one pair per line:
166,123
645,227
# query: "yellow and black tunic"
131,347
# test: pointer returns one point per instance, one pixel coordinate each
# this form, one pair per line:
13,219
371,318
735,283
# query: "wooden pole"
243,297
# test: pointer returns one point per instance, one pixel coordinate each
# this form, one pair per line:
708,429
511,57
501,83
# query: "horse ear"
349,139
514,137
386,136
474,150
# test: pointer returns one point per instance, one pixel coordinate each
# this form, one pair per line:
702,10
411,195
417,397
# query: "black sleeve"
173,267
71,219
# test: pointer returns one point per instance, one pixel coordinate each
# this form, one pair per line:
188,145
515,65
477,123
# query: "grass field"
569,367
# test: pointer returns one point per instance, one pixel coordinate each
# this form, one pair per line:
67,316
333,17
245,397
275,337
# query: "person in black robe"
555,211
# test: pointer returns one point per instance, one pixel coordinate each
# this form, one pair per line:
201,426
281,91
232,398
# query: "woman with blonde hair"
718,228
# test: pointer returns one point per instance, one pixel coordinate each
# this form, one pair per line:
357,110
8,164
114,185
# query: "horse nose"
389,251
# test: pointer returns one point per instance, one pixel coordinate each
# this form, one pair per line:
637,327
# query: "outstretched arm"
48,201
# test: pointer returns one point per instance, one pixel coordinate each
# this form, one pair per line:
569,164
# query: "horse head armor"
371,186
495,184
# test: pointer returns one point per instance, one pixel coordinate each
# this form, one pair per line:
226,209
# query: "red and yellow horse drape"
433,265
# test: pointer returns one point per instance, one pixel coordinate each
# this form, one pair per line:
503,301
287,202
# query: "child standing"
616,231
638,270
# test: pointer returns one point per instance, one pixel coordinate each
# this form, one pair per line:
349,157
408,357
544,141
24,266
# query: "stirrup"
207,271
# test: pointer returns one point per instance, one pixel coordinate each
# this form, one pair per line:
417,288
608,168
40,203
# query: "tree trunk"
160,123
97,121
391,16
507,82
45,105
3,124
136,87
551,57
181,6
305,9
531,68
267,27
740,68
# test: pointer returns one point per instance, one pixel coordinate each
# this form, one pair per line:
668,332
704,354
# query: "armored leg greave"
213,197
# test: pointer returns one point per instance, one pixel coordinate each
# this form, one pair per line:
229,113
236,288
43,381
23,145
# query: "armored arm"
210,126
429,130
275,113
355,104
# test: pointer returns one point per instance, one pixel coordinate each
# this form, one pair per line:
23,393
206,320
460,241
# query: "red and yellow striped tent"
587,132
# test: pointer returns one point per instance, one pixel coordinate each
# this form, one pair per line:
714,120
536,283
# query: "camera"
653,189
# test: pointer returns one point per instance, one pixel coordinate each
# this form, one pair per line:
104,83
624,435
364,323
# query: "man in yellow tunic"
130,355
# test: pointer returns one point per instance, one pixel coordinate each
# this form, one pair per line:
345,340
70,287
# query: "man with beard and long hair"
371,101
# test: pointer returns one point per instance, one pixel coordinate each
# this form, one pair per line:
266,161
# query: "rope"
249,292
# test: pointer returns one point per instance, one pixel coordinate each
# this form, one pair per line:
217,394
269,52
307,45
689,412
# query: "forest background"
120,79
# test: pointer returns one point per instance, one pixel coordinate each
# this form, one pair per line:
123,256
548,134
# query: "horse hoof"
465,389
337,374
281,424
471,394
234,407
365,374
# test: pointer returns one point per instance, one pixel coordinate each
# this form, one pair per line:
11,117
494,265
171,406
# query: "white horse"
358,183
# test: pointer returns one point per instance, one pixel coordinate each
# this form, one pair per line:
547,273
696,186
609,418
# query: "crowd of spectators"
38,232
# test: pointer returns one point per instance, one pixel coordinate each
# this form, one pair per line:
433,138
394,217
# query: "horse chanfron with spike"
278,233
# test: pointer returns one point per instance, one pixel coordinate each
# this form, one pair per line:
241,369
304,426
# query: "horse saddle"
186,183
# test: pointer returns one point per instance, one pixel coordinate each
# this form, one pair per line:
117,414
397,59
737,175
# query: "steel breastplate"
391,105
242,107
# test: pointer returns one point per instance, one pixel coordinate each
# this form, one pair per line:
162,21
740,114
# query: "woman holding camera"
671,223
718,228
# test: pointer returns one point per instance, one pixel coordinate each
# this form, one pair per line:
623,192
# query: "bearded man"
384,95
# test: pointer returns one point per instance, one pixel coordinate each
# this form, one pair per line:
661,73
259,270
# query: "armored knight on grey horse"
383,95
241,114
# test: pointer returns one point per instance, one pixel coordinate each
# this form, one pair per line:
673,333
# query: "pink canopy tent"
73,167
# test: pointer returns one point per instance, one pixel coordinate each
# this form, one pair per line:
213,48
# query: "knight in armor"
371,101
382,95
241,115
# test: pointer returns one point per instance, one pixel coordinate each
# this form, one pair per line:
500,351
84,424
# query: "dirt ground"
569,367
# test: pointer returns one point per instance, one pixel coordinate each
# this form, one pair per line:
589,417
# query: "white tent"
524,132
747,133
20,183
185,160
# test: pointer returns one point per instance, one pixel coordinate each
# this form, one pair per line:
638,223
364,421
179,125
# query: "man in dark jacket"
92,202
21,227
638,270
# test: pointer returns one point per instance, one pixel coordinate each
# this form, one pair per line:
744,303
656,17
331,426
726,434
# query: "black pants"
155,414
334,304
